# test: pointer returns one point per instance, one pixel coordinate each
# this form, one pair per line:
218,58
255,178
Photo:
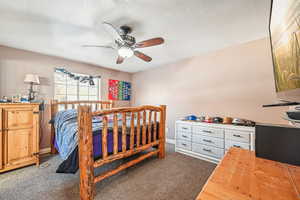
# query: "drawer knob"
183,144
184,128
238,146
208,150
235,135
205,140
184,136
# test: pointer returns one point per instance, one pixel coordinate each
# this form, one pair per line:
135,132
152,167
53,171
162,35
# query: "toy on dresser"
220,120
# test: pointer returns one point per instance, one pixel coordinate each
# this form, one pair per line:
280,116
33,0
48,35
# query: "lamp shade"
32,78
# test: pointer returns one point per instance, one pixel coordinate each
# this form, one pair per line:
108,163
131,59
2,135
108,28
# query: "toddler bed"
106,134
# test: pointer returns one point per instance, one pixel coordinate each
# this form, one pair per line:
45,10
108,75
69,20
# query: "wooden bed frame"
145,117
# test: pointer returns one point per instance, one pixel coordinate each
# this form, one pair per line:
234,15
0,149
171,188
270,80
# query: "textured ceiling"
190,27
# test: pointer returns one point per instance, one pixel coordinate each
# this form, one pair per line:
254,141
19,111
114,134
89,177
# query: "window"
68,89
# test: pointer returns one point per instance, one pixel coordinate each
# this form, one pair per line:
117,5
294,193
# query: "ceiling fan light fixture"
125,52
126,44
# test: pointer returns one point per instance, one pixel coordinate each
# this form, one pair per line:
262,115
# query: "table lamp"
32,79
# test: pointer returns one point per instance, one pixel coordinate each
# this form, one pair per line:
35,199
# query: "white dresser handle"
208,150
207,131
184,136
183,144
184,128
205,140
238,146
237,135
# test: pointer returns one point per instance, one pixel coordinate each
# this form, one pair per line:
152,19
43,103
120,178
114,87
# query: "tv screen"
284,29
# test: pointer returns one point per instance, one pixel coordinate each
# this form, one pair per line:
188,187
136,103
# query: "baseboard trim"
170,141
45,151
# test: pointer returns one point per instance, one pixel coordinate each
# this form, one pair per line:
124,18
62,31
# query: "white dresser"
209,141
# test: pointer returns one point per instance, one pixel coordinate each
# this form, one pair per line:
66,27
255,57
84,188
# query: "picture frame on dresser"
209,141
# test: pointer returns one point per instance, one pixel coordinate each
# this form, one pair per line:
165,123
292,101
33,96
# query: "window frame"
78,86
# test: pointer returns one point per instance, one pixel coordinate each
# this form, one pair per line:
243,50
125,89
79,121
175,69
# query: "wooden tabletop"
243,176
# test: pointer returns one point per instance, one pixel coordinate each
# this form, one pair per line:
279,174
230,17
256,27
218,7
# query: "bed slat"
155,127
132,131
116,142
138,129
149,127
144,128
104,137
123,132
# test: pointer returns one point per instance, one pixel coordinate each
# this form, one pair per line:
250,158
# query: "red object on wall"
113,89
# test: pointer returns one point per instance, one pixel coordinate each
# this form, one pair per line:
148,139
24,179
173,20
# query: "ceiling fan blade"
142,56
149,43
102,46
120,60
113,31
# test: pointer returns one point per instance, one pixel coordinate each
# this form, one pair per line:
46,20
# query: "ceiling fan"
126,44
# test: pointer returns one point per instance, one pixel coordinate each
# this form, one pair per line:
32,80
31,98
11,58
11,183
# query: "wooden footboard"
142,120
65,105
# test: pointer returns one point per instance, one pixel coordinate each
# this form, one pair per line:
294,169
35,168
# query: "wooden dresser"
19,135
243,176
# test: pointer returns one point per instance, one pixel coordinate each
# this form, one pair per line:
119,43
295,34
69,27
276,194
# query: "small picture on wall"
119,90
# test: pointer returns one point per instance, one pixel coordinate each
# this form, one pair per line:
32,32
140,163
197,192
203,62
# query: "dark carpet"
177,177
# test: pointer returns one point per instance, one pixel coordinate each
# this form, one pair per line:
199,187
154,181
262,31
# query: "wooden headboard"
65,105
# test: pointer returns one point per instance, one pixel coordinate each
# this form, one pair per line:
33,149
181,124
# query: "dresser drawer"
19,118
230,143
184,128
208,150
183,144
184,136
210,141
239,136
213,132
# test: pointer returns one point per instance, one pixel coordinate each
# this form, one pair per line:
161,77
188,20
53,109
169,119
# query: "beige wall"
235,81
14,64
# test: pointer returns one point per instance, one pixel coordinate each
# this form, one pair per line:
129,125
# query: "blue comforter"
66,131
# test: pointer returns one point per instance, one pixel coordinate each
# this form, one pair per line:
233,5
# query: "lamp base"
31,93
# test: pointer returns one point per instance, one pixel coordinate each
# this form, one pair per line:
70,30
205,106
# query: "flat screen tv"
284,30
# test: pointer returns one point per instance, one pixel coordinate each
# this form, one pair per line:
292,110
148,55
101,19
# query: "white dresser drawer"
210,141
239,136
184,128
183,144
184,136
213,132
231,143
208,150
